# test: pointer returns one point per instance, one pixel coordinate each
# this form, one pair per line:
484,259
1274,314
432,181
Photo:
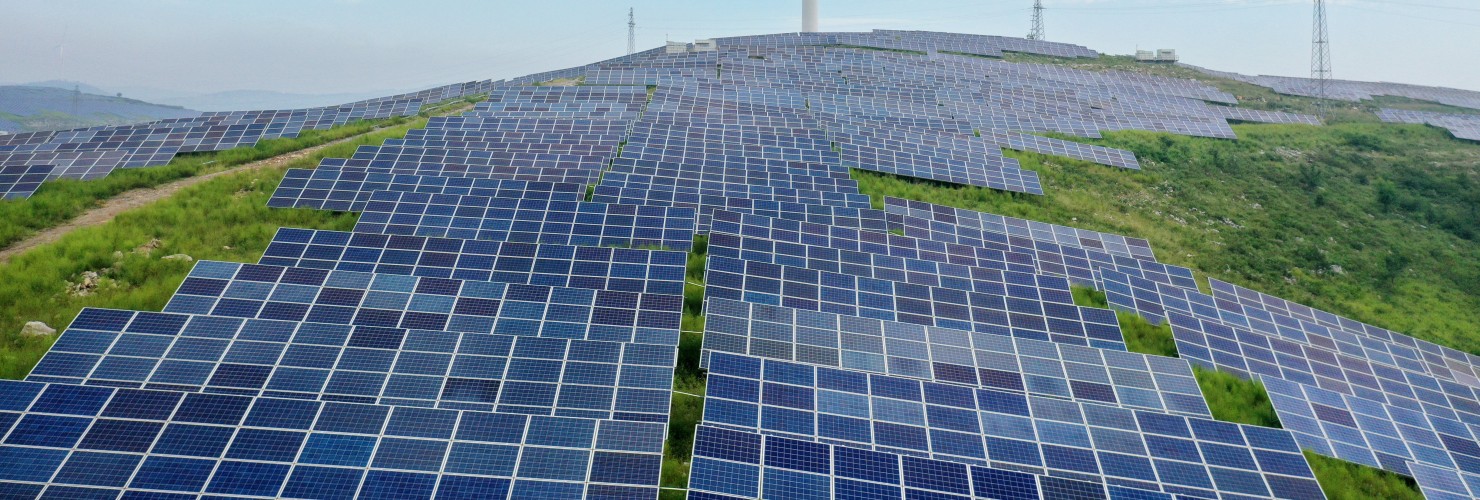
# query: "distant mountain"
68,85
229,100
36,108
238,100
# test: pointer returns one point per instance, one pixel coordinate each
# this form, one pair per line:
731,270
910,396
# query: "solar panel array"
1348,90
504,319
1462,126
93,153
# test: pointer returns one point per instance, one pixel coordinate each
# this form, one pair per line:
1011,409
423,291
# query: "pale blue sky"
335,46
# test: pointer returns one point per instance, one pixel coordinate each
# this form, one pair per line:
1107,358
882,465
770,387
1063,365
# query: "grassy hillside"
1366,220
222,219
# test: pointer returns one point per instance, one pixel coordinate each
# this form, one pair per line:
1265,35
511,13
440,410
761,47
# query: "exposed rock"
1337,269
37,329
178,256
85,285
149,246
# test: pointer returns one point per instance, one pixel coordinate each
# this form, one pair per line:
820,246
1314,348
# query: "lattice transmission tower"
1037,32
1320,58
631,31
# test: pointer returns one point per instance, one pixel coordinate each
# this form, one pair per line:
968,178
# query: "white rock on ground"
178,256
36,329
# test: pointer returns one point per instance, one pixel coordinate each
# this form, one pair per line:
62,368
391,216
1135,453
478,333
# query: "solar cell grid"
1020,313
620,269
749,168
529,125
495,135
546,148
349,188
528,221
952,356
363,364
84,165
1149,450
871,264
790,231
20,181
805,206
102,440
736,186
975,169
731,464
394,301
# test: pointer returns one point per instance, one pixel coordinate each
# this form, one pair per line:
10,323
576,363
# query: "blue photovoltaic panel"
708,202
1113,244
824,210
392,301
363,364
1057,248
607,150
957,167
1058,147
20,181
528,221
842,238
799,177
865,264
953,356
1445,484
532,125
99,441
1022,313
732,464
597,268
348,188
1047,436
1361,400
422,134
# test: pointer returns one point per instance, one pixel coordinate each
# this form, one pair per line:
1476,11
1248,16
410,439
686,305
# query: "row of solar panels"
28,160
1461,126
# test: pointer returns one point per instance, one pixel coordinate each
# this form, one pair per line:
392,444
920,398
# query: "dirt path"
130,200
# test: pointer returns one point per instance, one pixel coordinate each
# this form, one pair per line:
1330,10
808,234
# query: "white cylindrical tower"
809,16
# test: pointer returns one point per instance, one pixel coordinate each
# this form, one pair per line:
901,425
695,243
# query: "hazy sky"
338,46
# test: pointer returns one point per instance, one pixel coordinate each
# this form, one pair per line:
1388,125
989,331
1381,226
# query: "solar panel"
97,440
830,209
735,464
20,181
349,188
952,356
363,364
869,241
1043,436
1021,313
619,269
528,221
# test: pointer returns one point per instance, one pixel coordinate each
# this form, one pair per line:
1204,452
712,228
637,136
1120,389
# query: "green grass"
686,410
222,219
1233,399
61,200
1342,480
